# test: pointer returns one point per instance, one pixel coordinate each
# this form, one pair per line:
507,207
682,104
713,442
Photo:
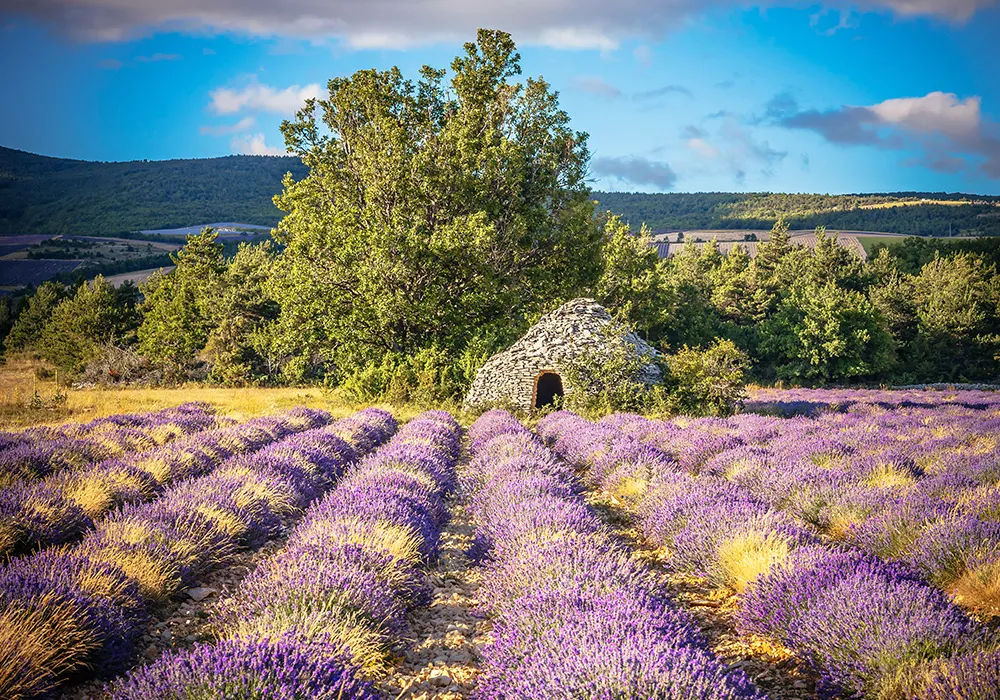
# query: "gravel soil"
441,660
186,618
773,668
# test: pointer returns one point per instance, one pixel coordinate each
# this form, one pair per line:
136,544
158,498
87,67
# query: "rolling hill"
912,213
43,195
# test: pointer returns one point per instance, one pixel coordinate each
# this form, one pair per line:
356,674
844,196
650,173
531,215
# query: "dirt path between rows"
441,660
185,620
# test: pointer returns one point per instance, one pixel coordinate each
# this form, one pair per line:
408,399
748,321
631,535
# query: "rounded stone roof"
575,328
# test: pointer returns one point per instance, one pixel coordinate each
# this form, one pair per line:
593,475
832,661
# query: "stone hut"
527,374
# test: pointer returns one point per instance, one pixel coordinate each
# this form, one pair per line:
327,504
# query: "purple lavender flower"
279,669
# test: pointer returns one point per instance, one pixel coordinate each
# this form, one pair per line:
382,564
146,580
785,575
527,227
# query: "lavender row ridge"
322,617
867,627
62,507
67,613
576,616
39,452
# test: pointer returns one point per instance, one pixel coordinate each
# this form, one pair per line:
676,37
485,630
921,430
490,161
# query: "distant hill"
42,195
913,213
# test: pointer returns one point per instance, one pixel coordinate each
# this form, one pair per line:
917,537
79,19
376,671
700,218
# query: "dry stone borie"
527,374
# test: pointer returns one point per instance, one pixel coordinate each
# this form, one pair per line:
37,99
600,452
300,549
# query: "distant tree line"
869,212
435,224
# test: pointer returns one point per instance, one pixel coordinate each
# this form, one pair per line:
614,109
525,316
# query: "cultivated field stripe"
87,607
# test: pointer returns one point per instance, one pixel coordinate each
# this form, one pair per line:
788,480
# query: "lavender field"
821,544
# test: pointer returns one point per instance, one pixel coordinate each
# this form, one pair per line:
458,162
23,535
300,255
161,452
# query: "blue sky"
677,95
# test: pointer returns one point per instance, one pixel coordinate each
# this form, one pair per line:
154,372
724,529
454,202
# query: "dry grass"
18,383
979,590
749,555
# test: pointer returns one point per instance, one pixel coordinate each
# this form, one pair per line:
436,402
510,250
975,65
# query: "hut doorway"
548,386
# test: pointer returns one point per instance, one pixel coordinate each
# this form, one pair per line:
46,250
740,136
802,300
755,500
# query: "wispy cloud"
660,92
845,19
110,64
597,86
262,98
244,124
157,57
643,56
633,170
602,88
731,148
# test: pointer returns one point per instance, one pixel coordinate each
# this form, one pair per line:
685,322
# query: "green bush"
611,379
428,377
98,314
707,381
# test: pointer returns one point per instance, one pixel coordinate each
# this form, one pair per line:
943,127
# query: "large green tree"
97,314
958,318
633,279
430,214
239,316
178,305
37,310
827,333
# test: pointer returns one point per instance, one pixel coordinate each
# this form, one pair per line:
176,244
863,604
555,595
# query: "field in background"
859,242
18,384
137,277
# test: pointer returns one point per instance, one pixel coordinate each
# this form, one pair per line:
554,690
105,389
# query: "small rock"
200,593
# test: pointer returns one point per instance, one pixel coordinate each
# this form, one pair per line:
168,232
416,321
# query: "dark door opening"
547,387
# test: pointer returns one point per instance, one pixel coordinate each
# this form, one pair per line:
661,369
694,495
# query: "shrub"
430,376
707,381
98,314
616,377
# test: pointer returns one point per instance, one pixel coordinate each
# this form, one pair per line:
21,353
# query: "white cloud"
244,124
254,145
263,98
582,24
949,134
938,111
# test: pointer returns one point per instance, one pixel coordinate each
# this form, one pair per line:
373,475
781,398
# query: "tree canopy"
430,214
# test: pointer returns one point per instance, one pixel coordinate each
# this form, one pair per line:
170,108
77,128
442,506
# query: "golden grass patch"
887,475
18,383
748,555
979,590
40,645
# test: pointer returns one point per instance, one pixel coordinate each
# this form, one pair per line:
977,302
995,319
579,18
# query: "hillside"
42,195
913,213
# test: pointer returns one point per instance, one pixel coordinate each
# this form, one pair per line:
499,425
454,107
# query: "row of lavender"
61,508
576,616
317,617
868,628
813,402
38,452
918,486
68,612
